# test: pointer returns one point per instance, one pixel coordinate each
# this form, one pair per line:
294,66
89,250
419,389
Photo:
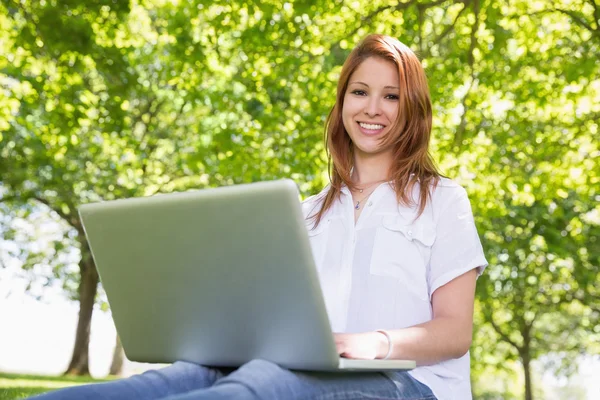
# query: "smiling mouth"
370,129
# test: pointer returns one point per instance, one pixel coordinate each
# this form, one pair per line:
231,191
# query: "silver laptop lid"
216,276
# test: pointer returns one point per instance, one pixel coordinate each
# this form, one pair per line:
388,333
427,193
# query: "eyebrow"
364,84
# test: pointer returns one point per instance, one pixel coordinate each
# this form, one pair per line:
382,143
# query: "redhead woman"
396,249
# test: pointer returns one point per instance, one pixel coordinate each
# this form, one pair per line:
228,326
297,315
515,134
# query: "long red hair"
409,134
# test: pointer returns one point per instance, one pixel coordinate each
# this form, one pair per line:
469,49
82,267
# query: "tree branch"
529,324
436,3
153,147
421,12
460,132
474,29
596,13
8,199
502,334
71,219
369,17
462,126
366,20
576,18
139,120
450,27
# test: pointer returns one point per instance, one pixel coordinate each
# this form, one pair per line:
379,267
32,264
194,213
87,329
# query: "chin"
370,150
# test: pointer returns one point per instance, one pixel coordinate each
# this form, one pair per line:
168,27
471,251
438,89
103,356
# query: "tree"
112,115
116,365
106,100
540,239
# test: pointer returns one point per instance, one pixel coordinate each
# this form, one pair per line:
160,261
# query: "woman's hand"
363,346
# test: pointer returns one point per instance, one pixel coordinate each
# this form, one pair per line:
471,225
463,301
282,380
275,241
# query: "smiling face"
370,106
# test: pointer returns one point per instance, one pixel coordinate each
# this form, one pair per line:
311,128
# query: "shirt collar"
345,190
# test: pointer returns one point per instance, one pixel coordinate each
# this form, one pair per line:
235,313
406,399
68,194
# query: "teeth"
372,127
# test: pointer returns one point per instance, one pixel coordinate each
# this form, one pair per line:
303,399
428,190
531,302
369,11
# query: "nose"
373,107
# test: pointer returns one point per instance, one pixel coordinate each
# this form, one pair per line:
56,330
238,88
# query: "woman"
396,249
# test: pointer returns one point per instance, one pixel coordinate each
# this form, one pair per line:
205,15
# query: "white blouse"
381,272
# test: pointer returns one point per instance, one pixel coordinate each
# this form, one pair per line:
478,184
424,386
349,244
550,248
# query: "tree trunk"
116,366
526,359
88,286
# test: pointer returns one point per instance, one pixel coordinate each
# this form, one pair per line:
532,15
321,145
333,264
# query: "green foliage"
104,100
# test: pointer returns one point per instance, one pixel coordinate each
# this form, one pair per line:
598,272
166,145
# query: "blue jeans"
258,379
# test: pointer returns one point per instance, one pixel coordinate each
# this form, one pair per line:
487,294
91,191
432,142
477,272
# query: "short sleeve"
457,248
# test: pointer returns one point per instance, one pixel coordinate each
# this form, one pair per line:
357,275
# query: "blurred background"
106,99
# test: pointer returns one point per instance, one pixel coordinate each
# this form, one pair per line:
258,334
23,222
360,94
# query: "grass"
16,386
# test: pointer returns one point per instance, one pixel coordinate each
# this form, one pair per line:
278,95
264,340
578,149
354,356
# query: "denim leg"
180,377
264,380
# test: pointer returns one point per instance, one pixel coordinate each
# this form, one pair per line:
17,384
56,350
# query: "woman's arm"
448,335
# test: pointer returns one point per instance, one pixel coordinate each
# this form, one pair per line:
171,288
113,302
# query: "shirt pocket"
401,250
318,239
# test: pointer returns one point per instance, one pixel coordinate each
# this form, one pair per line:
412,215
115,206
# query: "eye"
359,92
392,97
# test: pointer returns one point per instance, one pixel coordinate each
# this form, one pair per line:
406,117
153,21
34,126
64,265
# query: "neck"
371,168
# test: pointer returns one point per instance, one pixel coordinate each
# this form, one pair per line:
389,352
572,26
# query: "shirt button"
370,203
409,233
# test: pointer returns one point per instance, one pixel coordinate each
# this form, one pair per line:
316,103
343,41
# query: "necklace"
369,185
357,205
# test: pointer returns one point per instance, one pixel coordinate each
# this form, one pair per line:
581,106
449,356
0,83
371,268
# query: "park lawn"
16,386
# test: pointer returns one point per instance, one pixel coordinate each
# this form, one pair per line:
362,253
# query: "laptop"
217,277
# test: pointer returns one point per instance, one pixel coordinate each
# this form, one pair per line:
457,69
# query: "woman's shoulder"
447,193
447,185
311,204
316,197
